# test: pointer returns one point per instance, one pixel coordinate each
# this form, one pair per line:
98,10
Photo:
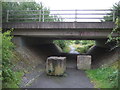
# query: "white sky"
78,4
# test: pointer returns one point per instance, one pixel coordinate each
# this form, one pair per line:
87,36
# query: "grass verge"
105,77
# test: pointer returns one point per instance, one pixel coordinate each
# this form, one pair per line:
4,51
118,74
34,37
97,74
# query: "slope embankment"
103,56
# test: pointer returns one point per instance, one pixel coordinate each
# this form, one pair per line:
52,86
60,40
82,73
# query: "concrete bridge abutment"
20,41
101,43
104,44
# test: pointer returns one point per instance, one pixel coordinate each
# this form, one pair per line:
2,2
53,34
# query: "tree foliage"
7,45
24,11
10,78
115,30
61,43
116,7
115,12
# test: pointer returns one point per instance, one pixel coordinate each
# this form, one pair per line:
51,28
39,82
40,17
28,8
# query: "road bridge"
37,29
61,24
62,30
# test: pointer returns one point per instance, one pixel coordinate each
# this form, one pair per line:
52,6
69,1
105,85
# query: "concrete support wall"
104,44
101,43
18,41
43,45
34,51
36,40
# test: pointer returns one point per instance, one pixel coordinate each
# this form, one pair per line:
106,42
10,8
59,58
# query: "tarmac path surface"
72,79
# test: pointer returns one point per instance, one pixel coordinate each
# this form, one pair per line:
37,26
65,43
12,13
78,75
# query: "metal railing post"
76,15
113,15
7,19
43,16
39,15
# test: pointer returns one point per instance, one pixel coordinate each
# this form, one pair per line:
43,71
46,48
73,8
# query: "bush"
84,48
115,30
77,41
60,43
9,77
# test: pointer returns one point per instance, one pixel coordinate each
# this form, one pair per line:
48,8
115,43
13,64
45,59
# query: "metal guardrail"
59,15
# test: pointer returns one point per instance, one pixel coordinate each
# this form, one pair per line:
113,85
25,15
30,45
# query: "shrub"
84,48
60,43
77,41
115,30
9,77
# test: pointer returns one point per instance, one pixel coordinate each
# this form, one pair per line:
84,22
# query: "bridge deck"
62,30
60,25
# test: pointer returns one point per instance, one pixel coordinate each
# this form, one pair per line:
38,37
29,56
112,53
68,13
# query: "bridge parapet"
85,15
60,25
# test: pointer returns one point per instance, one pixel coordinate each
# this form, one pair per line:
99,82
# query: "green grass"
105,77
0,59
66,49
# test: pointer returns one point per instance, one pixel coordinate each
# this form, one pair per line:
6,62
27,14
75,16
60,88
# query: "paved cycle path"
72,79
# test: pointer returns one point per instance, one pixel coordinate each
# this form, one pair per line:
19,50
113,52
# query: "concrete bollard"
55,65
84,62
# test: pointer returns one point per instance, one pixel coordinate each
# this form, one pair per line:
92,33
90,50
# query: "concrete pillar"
101,43
56,65
83,62
18,41
104,44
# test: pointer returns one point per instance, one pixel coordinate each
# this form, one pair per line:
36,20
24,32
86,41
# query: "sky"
78,4
72,5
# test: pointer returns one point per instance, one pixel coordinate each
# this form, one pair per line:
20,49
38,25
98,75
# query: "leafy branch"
115,30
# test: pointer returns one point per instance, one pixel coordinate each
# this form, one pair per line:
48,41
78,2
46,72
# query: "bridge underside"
44,47
65,34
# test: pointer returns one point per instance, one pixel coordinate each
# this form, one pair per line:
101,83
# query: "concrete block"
84,62
55,65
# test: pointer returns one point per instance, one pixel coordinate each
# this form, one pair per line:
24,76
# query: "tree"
24,11
115,12
115,30
116,8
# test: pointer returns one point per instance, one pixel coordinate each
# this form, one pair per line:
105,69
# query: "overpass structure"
62,30
34,33
58,25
